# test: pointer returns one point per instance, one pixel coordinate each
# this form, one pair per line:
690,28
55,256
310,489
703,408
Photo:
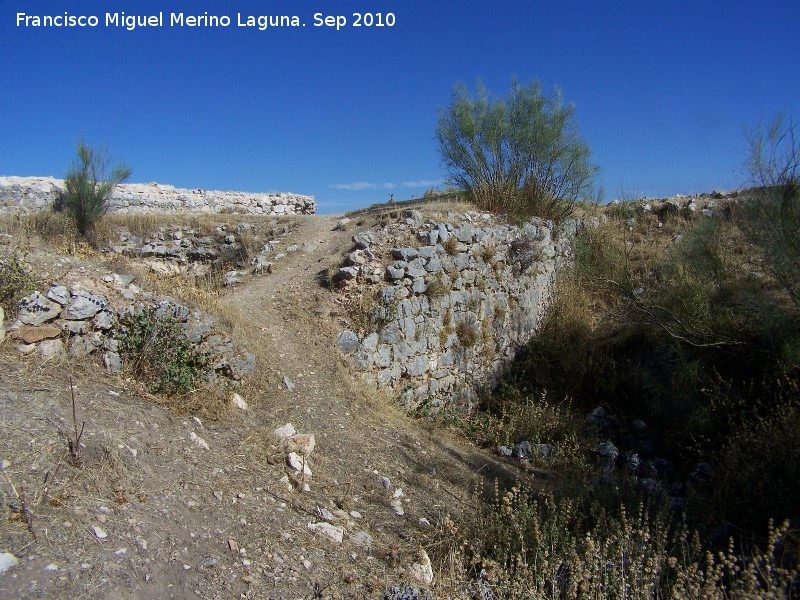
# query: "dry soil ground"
149,514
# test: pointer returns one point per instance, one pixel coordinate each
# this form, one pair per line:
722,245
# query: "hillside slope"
148,513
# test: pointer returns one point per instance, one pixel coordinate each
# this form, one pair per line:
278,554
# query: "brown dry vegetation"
675,319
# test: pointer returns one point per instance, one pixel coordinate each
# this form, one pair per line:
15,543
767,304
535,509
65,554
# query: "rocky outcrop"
448,311
36,193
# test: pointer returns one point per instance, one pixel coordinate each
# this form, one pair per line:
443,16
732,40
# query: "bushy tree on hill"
88,185
521,154
773,160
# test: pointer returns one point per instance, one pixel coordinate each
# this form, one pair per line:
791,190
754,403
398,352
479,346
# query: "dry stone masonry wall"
81,318
35,193
451,306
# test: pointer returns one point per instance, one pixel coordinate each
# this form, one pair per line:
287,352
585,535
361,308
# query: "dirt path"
358,434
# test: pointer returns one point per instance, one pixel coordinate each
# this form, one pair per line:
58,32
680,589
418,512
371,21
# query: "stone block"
416,268
387,294
370,342
59,294
84,307
390,334
50,349
384,377
36,310
362,361
418,366
434,265
445,360
395,271
347,342
404,253
31,335
382,358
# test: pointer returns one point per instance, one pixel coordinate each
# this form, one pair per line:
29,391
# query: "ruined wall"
36,193
451,309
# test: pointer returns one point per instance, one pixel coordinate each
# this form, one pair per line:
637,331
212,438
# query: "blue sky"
663,90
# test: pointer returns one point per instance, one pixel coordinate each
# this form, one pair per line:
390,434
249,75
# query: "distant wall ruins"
25,194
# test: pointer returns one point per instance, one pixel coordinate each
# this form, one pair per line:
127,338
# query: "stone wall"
35,193
81,317
447,311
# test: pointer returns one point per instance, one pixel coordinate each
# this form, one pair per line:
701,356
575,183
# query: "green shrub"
521,154
88,186
16,281
156,350
773,218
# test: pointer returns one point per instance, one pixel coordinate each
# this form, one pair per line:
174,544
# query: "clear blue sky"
662,90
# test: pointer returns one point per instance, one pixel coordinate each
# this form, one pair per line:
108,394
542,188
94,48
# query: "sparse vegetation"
521,154
16,280
450,246
467,336
435,287
89,184
689,323
525,544
156,350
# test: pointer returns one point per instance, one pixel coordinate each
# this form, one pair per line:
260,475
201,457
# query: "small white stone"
284,431
299,464
397,506
239,402
330,531
100,533
197,440
422,570
51,567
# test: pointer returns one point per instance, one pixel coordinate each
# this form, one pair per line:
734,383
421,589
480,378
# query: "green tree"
88,185
522,154
774,216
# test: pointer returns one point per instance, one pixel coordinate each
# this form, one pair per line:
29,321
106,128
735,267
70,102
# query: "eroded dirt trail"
294,320
358,433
